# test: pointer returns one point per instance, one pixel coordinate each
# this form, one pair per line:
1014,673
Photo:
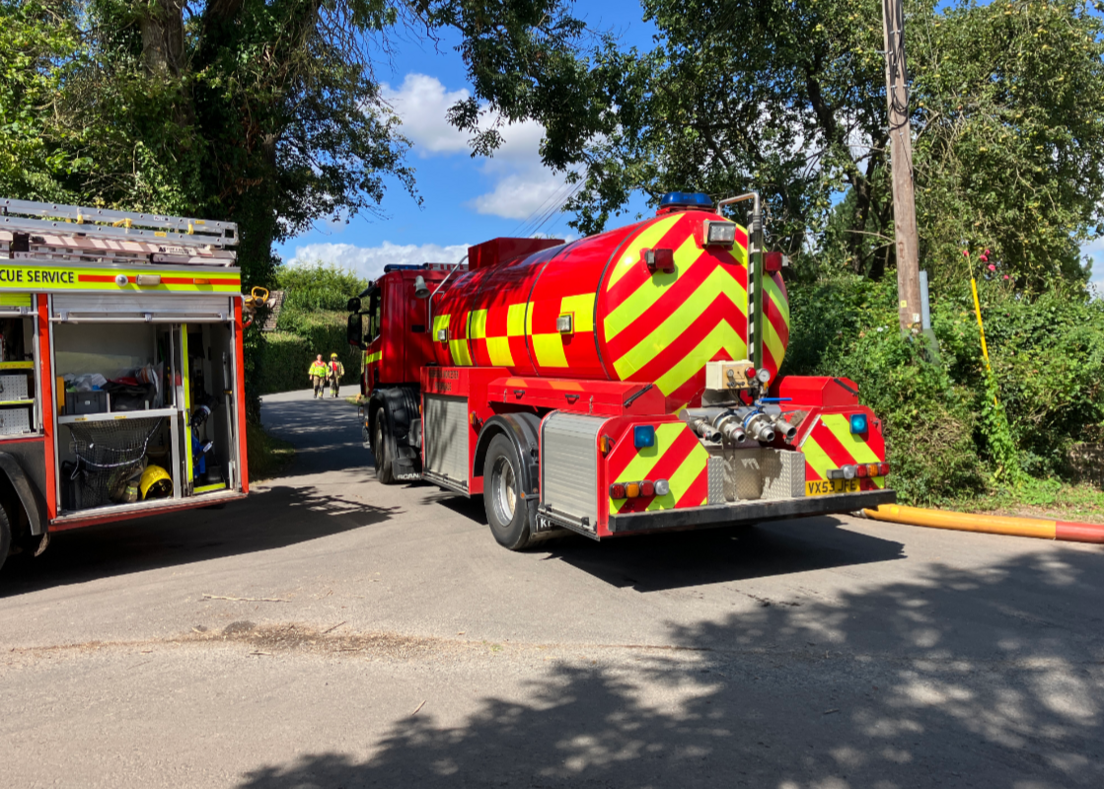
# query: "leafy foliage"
32,38
789,98
1047,359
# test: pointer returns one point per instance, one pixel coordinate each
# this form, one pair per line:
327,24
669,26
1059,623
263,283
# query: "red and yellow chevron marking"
831,444
776,322
663,328
677,456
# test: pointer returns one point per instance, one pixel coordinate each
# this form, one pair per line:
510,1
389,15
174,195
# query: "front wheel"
382,449
507,512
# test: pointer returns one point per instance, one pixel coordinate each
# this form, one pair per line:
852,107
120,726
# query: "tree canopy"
789,98
264,112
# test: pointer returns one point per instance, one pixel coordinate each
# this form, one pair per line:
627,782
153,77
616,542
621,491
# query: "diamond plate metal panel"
716,471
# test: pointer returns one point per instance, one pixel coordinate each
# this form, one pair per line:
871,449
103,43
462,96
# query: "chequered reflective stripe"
457,334
677,456
831,444
504,340
776,322
664,327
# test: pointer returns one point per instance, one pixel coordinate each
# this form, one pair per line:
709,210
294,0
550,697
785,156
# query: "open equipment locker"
120,350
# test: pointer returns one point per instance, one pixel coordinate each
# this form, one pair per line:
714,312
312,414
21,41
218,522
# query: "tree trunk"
162,27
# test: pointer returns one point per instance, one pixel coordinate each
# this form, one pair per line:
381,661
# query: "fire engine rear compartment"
181,417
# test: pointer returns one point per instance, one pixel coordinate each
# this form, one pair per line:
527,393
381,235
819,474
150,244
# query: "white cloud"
368,262
523,195
522,185
422,101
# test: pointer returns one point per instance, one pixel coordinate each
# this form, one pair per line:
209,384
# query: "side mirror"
354,331
420,289
353,305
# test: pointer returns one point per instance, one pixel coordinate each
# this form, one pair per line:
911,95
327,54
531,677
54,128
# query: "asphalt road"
332,632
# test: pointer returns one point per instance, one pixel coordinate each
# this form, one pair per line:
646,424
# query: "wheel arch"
22,493
403,413
522,429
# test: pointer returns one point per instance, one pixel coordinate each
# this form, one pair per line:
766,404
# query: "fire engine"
619,384
121,373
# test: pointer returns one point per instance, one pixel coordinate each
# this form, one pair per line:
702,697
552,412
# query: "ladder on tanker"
52,233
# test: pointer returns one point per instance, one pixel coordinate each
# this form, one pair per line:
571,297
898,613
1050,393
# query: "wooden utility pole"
900,151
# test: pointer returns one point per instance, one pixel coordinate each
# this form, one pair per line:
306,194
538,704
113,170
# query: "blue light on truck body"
643,436
858,423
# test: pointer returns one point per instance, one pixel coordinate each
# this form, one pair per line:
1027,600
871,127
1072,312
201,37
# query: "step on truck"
121,373
620,384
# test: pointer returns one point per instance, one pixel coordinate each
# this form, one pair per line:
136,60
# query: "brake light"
617,491
647,489
883,469
861,470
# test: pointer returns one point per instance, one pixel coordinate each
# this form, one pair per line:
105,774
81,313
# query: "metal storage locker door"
446,436
569,465
137,305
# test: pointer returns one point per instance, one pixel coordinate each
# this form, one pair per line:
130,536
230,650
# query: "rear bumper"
748,511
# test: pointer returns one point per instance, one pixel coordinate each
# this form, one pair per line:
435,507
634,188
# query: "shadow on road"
271,518
651,563
990,679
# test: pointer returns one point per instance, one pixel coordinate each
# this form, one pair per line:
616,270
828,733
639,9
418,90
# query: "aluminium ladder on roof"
49,232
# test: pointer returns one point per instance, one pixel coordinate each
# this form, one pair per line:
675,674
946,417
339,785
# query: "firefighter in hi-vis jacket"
334,371
318,373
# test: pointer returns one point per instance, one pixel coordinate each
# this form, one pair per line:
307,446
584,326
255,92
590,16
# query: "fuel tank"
594,309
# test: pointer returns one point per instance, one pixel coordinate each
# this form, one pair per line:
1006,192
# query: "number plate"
825,487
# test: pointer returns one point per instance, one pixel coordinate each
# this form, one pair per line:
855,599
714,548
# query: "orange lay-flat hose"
1067,531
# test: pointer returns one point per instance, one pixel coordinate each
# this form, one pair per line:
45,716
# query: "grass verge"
269,456
1047,498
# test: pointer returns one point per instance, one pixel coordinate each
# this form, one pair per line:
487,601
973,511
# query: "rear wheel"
382,449
507,512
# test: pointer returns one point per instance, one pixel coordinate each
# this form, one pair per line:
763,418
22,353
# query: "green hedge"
945,436
287,355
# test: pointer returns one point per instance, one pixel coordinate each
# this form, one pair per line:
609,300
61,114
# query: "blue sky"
467,200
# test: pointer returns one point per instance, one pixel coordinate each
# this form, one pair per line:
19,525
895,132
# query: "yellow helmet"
155,484
333,355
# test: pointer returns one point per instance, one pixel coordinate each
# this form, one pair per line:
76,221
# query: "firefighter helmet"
156,483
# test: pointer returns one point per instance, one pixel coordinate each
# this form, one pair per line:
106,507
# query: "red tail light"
860,471
883,469
647,489
617,491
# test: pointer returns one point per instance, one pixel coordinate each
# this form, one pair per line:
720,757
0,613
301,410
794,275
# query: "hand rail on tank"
755,276
429,319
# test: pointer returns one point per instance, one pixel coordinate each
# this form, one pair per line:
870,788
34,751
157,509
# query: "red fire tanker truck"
120,368
623,383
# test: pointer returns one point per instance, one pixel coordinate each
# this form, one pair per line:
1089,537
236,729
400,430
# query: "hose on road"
1066,531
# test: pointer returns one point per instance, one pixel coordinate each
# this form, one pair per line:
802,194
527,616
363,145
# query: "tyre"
507,512
383,449
5,536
